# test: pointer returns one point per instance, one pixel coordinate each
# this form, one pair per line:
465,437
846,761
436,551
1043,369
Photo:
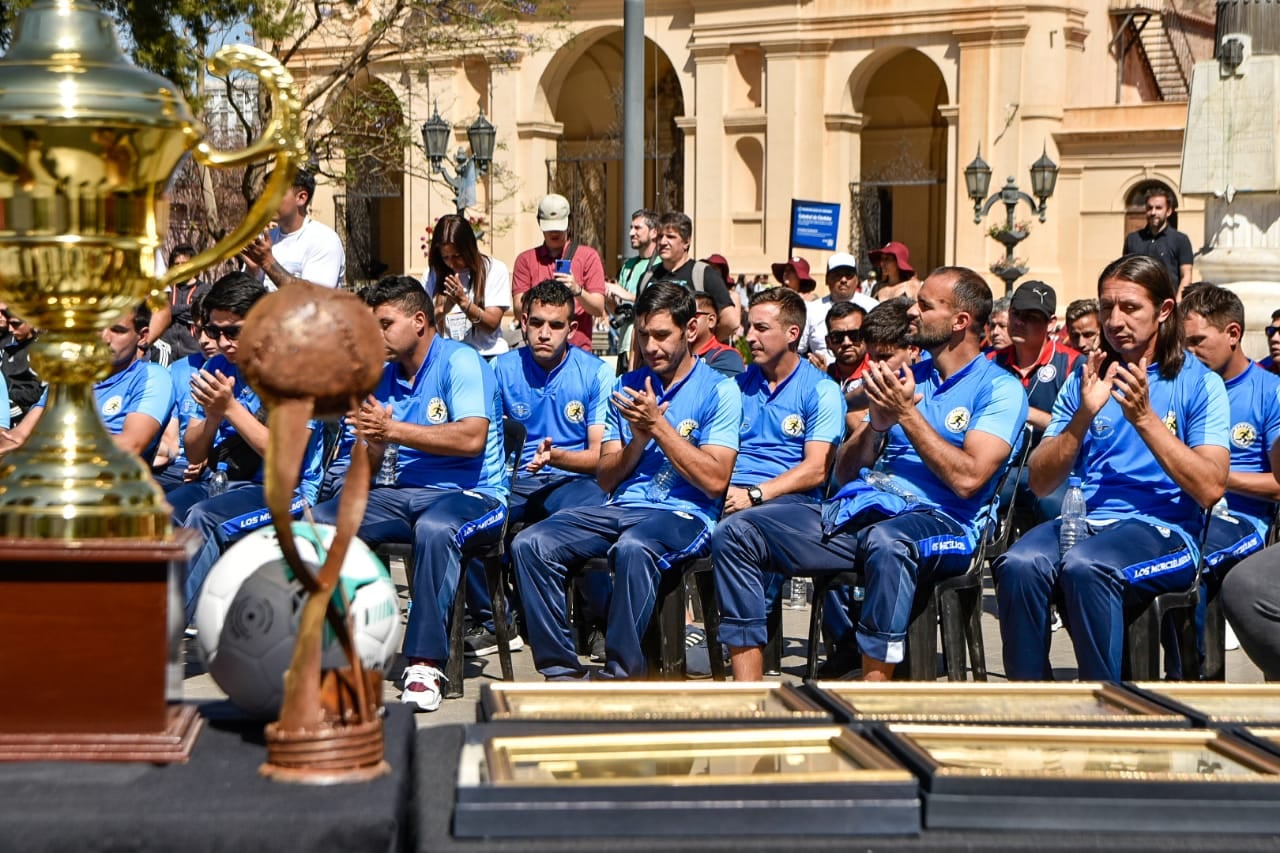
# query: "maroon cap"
800,265
900,254
719,262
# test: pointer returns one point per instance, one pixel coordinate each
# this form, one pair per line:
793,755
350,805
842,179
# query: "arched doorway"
901,193
1135,206
587,168
370,142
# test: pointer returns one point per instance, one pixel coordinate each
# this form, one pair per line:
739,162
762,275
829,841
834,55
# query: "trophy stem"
70,481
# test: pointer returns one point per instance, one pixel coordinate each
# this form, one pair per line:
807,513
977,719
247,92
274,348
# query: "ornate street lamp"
977,179
436,135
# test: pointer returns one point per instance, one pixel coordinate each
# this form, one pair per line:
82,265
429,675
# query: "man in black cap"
1043,364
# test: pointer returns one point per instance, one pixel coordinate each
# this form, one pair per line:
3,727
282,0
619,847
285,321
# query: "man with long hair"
1146,428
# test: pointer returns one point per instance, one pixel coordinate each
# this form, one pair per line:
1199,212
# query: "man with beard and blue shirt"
560,393
134,400
228,427
1146,428
437,409
951,424
670,442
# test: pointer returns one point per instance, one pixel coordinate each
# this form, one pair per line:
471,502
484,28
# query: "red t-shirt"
536,265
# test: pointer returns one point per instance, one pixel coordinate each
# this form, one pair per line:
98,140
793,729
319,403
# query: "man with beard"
951,424
1162,241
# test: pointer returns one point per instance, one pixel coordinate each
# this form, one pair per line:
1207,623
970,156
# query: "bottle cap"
222,466
1073,483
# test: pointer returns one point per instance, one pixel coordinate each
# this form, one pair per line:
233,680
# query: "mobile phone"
563,266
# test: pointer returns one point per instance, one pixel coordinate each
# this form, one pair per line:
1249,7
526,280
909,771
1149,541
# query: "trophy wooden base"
85,646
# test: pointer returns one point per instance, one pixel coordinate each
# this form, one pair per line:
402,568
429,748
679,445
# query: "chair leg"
954,643
454,666
773,646
705,582
821,584
1215,639
1142,645
921,662
673,607
496,578
977,648
1192,665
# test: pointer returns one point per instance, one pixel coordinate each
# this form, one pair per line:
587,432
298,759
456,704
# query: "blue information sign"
814,225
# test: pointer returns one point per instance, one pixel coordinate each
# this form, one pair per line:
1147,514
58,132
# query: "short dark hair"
679,221
887,322
403,292
1079,308
181,249
970,294
791,309
549,292
1275,315
650,217
235,292
306,180
1169,200
1217,305
1151,275
704,300
667,295
141,317
840,310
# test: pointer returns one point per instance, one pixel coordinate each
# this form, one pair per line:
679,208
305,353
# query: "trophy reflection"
88,147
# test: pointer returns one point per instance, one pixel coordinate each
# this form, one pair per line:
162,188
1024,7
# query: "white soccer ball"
247,616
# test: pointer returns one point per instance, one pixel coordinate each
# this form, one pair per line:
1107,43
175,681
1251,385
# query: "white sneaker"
1233,642
422,686
1055,619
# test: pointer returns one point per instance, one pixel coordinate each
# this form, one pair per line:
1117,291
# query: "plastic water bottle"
1220,509
881,481
218,482
387,470
798,596
660,485
1074,526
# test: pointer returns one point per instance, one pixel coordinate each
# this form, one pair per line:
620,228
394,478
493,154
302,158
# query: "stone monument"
1231,156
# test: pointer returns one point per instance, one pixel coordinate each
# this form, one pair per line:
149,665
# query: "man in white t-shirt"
298,248
842,284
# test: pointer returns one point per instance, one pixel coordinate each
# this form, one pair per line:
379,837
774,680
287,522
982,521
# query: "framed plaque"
636,782
1127,779
979,703
1214,703
648,702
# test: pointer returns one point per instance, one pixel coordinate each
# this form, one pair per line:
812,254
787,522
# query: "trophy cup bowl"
89,145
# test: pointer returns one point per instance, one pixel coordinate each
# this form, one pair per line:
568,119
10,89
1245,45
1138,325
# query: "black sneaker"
844,663
480,641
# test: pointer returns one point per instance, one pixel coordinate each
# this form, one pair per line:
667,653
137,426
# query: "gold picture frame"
1084,754
690,758
1217,703
649,702
980,703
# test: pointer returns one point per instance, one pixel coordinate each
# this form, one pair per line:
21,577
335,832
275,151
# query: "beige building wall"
777,100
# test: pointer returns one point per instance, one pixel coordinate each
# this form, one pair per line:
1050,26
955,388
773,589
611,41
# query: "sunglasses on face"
853,336
1271,330
231,333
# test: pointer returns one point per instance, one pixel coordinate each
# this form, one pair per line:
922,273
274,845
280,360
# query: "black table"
436,767
215,802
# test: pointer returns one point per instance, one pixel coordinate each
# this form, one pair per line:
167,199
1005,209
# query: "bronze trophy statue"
88,147
308,352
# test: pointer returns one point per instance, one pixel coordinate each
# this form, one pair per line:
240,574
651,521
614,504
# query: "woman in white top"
476,288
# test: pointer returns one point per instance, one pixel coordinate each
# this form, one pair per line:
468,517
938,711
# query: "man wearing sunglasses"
178,471
134,400
24,386
1271,363
227,427
844,342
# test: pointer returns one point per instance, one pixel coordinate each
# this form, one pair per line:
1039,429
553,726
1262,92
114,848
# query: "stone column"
705,154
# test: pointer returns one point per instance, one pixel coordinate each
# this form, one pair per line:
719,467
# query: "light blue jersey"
1254,397
1122,479
309,479
452,383
776,424
979,396
559,405
141,387
705,408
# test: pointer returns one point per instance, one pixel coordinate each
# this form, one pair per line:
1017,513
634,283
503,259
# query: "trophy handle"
281,138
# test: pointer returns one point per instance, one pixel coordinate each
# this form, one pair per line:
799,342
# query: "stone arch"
1134,197
901,191
580,90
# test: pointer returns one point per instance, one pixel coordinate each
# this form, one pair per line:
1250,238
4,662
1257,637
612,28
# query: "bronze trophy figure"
88,147
313,352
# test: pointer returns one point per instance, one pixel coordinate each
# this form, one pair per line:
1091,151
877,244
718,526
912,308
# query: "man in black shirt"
1162,241
675,231
25,388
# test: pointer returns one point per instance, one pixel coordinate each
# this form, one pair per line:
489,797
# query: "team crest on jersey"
520,411
1243,435
957,419
113,405
687,427
1171,421
437,411
1047,373
575,411
793,425
1101,427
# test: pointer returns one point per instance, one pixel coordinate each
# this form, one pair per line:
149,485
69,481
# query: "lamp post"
436,133
977,179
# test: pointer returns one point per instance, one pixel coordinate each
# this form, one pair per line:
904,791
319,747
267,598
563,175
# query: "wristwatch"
755,495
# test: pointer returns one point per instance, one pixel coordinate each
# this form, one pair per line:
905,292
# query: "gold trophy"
88,147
